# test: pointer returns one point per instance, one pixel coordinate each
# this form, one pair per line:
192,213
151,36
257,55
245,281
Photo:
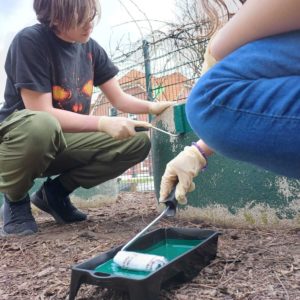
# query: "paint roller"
142,261
140,128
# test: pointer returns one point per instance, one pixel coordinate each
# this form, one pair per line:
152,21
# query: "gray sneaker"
17,217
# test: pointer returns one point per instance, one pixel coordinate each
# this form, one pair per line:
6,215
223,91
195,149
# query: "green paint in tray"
169,248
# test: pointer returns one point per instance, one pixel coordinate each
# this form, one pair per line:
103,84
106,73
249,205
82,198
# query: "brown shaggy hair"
218,12
66,14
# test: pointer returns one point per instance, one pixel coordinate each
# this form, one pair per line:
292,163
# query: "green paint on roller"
180,120
169,248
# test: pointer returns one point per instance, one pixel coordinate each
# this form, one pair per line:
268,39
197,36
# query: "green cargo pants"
33,145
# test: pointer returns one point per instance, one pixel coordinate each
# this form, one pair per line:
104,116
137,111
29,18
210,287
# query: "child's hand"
208,60
119,127
157,107
182,169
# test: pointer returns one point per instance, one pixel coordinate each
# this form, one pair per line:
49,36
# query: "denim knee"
266,139
246,106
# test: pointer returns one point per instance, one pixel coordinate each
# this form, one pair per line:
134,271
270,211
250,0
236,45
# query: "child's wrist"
202,152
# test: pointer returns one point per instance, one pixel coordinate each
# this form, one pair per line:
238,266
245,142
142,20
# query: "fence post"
147,72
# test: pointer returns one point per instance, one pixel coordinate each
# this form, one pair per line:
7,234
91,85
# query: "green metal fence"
161,68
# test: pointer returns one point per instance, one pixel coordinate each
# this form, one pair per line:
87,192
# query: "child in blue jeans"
246,105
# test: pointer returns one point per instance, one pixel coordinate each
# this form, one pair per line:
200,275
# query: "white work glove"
209,61
119,127
182,169
157,107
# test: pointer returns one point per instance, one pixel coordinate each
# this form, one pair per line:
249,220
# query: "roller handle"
171,204
140,128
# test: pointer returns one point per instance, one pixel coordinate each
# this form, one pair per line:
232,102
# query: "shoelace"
20,212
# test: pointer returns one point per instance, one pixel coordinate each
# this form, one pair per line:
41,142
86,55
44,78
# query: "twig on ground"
281,283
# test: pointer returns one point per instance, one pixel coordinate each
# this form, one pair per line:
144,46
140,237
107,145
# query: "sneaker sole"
23,233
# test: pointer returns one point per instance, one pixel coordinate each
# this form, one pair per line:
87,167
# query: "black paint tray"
188,250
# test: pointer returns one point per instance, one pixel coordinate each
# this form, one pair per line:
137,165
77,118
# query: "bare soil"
251,263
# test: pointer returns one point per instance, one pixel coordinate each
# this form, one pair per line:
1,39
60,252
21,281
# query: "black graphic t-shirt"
40,61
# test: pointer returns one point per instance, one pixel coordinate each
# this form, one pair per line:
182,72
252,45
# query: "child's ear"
56,23
55,27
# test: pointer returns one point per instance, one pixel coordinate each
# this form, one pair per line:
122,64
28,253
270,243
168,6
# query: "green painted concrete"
225,182
180,120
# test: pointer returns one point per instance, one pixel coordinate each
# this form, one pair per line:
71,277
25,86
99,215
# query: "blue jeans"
247,107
